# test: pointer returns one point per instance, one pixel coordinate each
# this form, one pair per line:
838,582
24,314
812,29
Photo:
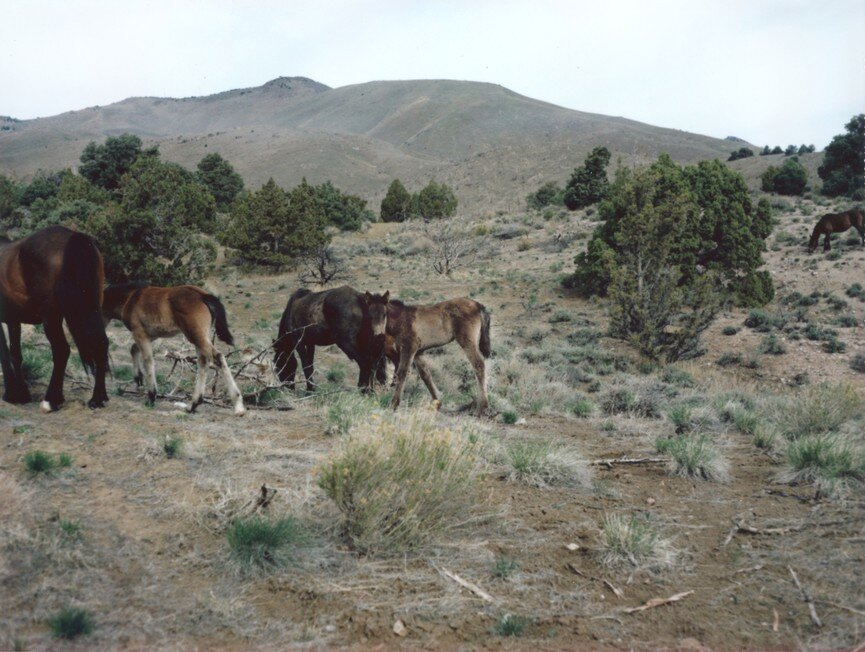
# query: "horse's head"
815,239
376,305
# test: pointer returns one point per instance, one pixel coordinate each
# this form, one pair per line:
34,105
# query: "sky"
774,72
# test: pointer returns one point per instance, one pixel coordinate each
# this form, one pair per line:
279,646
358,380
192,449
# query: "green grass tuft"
71,623
259,542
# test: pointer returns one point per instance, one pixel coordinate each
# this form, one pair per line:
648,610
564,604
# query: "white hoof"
239,410
45,406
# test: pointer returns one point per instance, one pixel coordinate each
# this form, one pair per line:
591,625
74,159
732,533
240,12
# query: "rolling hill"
490,144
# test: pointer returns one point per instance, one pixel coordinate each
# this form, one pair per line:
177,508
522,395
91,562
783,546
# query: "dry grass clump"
344,409
817,409
402,481
695,456
545,464
831,461
633,540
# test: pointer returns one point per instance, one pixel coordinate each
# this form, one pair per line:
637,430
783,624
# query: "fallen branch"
466,584
629,460
858,612
807,597
750,529
750,570
618,592
657,602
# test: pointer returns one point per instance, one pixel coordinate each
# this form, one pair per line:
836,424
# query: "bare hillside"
491,144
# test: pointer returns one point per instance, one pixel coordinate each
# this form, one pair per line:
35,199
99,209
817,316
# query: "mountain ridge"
490,143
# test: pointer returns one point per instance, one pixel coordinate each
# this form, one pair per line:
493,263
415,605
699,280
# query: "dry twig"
657,602
812,611
464,583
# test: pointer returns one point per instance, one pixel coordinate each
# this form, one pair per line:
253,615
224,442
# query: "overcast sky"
770,71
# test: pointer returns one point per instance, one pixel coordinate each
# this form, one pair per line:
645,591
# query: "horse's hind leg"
60,353
826,244
233,391
477,361
286,360
423,371
200,379
149,364
307,358
15,388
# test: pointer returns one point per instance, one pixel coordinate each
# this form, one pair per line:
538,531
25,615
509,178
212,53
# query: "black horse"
49,277
354,321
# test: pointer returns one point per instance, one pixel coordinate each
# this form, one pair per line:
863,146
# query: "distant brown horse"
415,329
152,312
49,277
837,223
352,320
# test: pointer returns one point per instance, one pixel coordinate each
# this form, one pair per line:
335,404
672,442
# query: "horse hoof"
47,407
17,398
239,411
95,403
437,405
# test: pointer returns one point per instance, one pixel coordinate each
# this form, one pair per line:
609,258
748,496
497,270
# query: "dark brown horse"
49,277
837,223
417,328
151,312
354,321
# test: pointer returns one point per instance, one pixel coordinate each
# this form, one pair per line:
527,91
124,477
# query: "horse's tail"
79,295
217,312
485,345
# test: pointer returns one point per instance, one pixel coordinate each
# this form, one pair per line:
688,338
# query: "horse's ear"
386,296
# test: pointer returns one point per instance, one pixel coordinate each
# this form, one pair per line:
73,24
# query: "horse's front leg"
60,354
826,244
422,367
15,390
406,358
307,359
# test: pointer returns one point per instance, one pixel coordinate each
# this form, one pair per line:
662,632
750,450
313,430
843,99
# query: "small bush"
817,409
678,377
763,321
260,542
617,400
682,417
171,446
730,330
745,421
70,529
695,456
402,481
511,625
509,418
827,460
583,408
632,540
541,463
345,410
834,346
560,316
504,567
71,623
772,345
847,321
39,462
728,359
858,363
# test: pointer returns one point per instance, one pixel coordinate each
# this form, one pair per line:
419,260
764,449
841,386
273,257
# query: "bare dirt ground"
149,560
